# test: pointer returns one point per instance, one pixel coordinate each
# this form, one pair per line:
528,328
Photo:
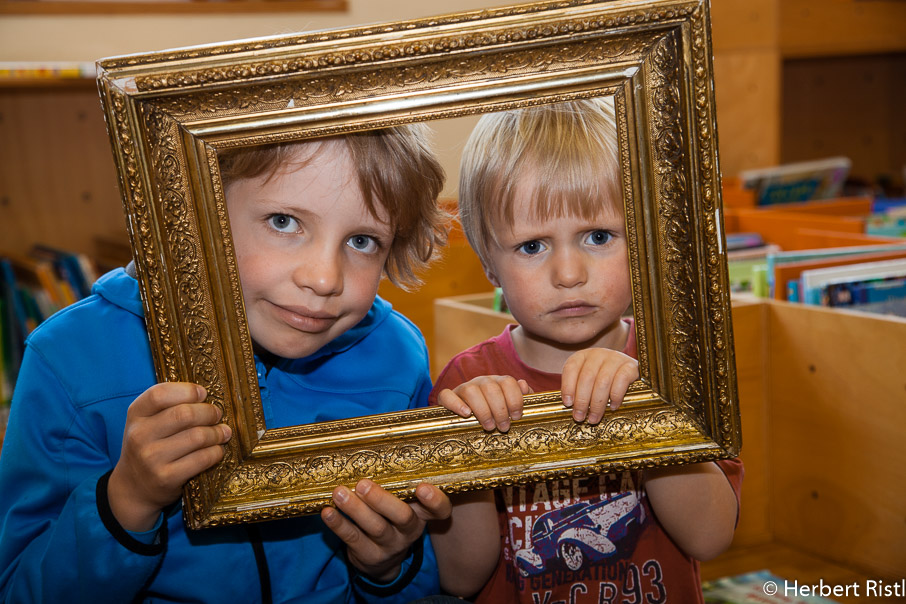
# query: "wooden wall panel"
898,119
57,178
849,106
744,25
747,93
838,407
750,337
840,27
746,81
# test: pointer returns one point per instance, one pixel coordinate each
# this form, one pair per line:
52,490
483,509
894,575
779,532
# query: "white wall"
86,38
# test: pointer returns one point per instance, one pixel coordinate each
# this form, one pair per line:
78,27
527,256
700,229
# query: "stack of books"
888,218
33,287
760,586
747,255
801,181
867,278
867,272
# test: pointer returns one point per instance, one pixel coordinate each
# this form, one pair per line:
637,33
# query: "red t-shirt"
577,540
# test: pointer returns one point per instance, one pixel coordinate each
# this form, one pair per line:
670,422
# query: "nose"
320,269
568,268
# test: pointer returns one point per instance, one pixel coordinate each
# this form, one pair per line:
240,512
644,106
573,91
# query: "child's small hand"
493,399
170,436
379,528
592,378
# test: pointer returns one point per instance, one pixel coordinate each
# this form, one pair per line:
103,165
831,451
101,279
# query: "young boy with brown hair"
96,453
541,204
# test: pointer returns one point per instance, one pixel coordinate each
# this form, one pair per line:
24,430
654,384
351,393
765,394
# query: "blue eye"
530,248
598,237
363,243
283,223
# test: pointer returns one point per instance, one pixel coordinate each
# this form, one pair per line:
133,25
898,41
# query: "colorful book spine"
819,285
32,288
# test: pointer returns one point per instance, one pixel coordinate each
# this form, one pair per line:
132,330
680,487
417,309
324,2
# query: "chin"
577,336
289,351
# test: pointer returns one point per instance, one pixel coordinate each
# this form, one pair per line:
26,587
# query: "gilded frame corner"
168,113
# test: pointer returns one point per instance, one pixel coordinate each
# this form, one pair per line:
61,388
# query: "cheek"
248,254
518,279
618,282
254,271
362,282
524,296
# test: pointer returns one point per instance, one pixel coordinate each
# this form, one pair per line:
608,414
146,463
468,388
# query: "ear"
489,273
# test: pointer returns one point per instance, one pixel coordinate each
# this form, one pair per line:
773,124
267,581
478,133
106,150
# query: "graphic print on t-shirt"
569,525
582,532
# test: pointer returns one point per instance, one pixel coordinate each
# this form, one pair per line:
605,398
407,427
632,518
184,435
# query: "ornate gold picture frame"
169,113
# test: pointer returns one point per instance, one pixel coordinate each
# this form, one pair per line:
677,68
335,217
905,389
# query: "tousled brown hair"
395,167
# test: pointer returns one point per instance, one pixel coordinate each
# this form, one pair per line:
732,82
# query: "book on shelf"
34,286
746,263
778,259
787,276
758,586
801,181
50,70
879,296
892,206
870,286
744,241
12,322
891,223
75,271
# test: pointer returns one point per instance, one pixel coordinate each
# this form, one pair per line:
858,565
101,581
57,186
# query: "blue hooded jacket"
82,369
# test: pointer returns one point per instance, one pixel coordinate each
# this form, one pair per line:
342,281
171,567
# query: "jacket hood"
118,288
121,289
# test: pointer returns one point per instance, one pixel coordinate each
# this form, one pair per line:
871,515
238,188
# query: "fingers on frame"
610,391
600,398
569,378
513,391
474,396
342,527
496,396
588,390
190,465
198,447
165,395
451,401
624,377
433,504
375,512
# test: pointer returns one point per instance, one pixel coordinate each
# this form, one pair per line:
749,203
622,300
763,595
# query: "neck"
550,355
